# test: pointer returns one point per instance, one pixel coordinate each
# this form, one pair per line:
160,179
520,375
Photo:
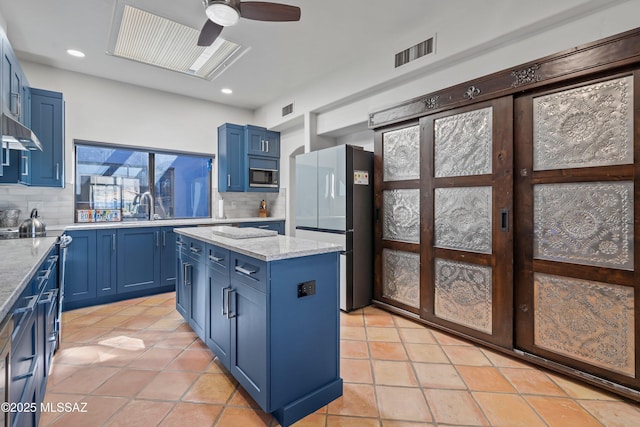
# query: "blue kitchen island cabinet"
272,317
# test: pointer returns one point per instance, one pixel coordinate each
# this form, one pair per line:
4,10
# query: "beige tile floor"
136,363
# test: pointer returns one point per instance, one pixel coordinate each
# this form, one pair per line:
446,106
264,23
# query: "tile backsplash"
55,205
246,205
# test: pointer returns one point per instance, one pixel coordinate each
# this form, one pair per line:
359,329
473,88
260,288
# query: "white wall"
107,111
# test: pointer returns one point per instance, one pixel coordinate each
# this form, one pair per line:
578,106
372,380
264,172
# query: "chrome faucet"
151,204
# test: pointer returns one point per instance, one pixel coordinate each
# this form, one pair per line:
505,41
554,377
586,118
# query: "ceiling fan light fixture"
222,13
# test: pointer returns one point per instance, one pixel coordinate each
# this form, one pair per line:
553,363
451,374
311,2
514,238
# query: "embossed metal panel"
401,215
401,154
588,321
463,144
463,294
463,218
401,277
584,223
588,126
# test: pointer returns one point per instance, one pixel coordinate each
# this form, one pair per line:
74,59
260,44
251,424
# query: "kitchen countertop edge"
161,223
270,248
19,266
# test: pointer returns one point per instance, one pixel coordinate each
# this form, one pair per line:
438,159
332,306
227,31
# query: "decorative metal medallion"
431,102
463,294
589,321
463,144
584,223
401,215
584,127
526,76
401,154
472,92
463,218
401,277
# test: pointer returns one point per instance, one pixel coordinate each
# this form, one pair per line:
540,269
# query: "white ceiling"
282,56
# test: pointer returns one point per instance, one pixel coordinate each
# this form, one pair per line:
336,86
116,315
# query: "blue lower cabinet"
167,257
106,262
138,259
218,327
263,323
196,280
183,289
248,357
112,264
33,342
80,267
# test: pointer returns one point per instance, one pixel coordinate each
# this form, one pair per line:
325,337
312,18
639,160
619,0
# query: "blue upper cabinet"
45,168
231,158
262,142
241,148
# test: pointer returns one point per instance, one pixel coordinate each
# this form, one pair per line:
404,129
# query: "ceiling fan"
224,13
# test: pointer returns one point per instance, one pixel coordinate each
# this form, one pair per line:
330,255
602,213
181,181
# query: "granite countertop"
20,261
160,223
264,248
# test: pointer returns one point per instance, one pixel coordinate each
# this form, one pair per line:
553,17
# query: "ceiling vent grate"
287,109
414,52
144,37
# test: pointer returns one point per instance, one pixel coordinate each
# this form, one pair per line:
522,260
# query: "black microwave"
265,178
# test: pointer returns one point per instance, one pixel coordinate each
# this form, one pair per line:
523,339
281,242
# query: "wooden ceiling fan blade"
262,11
209,33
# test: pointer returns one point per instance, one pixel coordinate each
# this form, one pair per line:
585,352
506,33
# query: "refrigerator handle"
377,214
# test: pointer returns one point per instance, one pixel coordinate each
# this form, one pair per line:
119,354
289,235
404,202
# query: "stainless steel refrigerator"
334,203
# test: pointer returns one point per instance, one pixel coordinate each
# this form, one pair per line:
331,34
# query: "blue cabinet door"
262,142
80,272
106,278
138,259
197,280
231,158
168,257
218,330
249,360
183,290
45,168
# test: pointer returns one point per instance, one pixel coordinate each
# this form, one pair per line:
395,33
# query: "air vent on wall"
414,52
287,109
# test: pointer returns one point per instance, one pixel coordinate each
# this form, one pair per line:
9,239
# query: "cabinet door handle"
267,144
229,314
113,242
164,239
195,250
25,164
157,239
228,180
504,219
244,270
57,171
186,272
225,302
6,158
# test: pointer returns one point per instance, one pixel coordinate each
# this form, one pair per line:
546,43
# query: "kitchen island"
268,309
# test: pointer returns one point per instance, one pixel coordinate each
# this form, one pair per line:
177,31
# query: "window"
129,184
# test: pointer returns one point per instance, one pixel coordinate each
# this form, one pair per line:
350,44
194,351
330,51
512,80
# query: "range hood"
17,136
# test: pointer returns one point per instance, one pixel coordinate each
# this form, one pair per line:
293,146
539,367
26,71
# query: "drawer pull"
195,250
244,270
215,258
186,270
32,369
28,307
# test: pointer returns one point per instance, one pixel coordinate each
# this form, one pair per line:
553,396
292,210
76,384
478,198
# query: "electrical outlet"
306,289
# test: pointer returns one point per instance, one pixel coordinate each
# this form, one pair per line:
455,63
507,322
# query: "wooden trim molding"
606,54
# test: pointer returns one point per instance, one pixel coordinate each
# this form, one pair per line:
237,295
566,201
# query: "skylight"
141,36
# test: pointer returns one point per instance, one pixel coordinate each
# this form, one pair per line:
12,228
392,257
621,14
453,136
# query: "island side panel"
305,334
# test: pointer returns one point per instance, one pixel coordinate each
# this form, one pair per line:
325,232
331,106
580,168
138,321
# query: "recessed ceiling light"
76,53
226,91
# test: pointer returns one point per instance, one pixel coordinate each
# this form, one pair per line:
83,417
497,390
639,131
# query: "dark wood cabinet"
516,228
